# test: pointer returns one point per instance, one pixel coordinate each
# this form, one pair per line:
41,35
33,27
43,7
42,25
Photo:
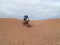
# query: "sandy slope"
13,32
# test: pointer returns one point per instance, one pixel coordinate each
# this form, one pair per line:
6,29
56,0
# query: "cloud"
36,9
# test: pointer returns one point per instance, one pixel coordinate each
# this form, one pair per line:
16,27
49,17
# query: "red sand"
13,32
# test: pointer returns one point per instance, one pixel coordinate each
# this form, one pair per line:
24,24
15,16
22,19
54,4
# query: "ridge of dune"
41,32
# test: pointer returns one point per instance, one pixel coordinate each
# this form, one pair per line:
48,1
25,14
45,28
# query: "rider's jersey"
26,19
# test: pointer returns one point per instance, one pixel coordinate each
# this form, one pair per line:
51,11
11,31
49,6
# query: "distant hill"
40,32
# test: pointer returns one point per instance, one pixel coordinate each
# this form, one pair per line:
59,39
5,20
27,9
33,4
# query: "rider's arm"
28,19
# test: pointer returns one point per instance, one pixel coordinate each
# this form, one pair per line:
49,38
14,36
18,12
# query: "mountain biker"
26,19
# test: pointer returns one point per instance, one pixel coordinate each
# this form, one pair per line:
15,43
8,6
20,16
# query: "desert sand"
41,32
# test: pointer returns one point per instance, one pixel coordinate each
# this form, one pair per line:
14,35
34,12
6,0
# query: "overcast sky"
36,9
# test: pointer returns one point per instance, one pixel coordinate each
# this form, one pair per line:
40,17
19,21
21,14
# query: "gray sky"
36,9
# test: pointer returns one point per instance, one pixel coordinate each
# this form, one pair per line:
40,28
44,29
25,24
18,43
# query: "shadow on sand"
28,25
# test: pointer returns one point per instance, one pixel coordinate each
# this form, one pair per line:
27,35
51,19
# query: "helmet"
26,16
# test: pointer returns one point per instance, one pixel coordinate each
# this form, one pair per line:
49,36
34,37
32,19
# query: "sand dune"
44,32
